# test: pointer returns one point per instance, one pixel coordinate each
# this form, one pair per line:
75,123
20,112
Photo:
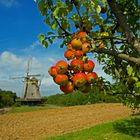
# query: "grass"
126,129
31,108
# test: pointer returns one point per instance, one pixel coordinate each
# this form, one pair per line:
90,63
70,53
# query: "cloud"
9,3
31,47
7,57
34,44
12,64
52,60
48,87
18,63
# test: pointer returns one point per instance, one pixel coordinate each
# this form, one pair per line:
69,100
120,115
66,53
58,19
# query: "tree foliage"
114,22
7,98
96,95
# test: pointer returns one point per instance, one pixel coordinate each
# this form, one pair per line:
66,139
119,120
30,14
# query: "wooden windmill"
31,92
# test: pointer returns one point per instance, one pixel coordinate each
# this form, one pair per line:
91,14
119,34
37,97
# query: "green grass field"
31,108
126,129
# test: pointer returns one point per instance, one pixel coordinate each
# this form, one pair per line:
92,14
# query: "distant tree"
113,23
7,98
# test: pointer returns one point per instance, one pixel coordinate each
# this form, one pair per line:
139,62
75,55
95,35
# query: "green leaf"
50,40
41,37
98,9
45,44
47,20
135,79
139,75
59,31
130,71
54,26
41,6
50,33
55,13
62,45
138,84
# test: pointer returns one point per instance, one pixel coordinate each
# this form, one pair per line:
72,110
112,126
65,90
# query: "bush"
79,98
7,98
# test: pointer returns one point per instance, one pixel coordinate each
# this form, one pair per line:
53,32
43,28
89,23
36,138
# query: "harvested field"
38,124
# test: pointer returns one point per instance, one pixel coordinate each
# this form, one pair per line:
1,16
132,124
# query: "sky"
20,25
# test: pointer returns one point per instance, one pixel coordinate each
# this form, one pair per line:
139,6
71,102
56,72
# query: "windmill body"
31,89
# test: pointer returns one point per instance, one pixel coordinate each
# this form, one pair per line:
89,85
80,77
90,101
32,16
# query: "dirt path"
43,123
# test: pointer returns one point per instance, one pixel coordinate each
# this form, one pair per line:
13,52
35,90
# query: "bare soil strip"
44,123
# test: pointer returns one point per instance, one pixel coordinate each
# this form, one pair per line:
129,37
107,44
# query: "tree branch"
109,37
75,4
118,55
129,58
123,24
57,36
58,22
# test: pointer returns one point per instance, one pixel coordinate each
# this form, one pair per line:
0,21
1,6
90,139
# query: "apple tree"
112,28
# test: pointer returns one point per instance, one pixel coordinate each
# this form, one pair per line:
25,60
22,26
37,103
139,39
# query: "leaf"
55,13
41,37
138,84
47,20
130,71
116,72
98,9
59,31
45,44
104,1
50,33
62,45
54,25
50,40
41,6
135,79
139,75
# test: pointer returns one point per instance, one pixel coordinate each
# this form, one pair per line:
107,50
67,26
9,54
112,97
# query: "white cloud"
7,57
32,47
35,63
12,64
35,44
49,86
9,3
52,60
48,81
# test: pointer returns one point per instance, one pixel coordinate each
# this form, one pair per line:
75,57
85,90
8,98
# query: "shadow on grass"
129,127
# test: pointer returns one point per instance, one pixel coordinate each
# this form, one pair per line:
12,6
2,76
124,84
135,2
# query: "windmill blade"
39,83
20,77
34,74
28,66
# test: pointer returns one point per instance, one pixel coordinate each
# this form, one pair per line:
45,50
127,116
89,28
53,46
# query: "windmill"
31,92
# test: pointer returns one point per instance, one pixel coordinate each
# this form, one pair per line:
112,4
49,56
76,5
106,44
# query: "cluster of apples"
78,74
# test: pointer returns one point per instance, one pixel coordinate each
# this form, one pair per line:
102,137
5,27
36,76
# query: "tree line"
7,98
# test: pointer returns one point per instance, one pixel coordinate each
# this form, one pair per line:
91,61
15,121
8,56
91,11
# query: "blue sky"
20,26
